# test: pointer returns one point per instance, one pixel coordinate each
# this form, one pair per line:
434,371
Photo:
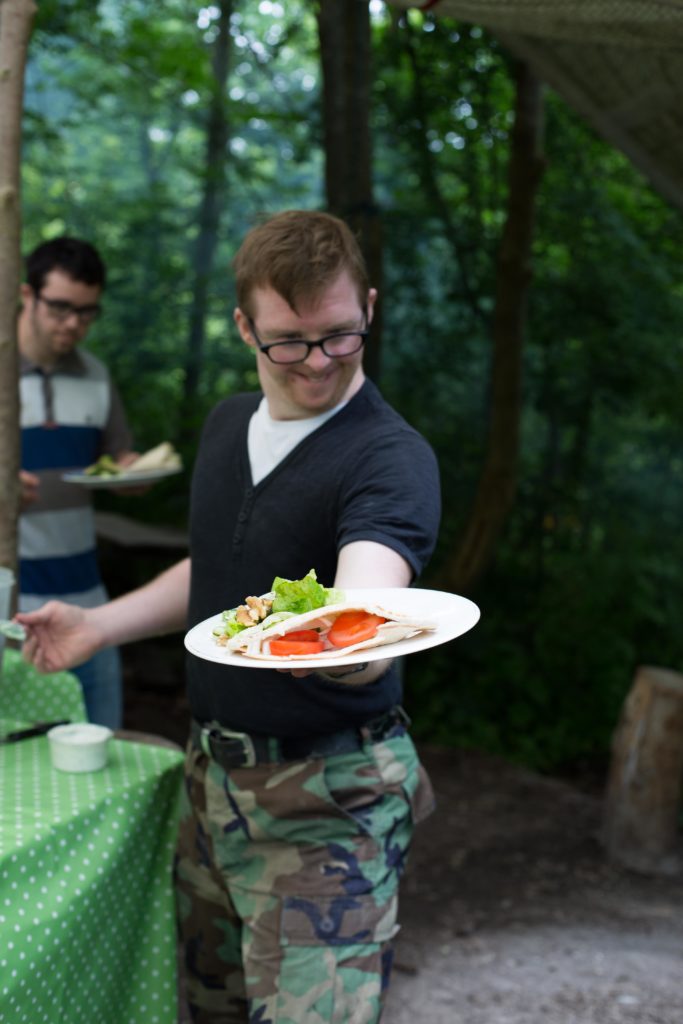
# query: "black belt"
232,749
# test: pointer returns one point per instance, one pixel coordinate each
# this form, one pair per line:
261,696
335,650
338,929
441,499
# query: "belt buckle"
383,726
208,733
402,716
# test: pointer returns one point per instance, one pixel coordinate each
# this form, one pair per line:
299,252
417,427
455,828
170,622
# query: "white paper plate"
131,479
454,615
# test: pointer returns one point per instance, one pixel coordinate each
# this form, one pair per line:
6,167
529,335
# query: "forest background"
163,132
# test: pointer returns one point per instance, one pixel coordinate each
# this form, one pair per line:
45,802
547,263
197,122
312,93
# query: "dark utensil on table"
39,729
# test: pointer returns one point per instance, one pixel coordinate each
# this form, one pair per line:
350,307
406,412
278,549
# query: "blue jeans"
102,684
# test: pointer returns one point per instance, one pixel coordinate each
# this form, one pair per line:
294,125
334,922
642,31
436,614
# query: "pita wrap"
253,642
164,456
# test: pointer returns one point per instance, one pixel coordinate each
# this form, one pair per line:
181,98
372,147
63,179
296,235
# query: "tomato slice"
353,627
301,648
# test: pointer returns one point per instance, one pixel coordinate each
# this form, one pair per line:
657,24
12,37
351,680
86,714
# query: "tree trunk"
426,162
16,19
345,53
498,481
217,135
643,801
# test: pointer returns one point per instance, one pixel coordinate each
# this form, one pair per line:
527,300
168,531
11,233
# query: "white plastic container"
79,747
6,585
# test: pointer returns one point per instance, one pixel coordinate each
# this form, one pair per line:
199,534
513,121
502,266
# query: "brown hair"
298,253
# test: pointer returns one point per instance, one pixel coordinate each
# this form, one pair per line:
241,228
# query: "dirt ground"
510,912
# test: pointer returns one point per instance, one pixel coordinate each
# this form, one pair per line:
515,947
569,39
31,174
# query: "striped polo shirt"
69,417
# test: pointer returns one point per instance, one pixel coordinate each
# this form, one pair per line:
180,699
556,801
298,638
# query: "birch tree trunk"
16,19
345,54
498,481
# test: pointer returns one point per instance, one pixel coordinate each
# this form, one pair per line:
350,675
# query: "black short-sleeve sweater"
365,474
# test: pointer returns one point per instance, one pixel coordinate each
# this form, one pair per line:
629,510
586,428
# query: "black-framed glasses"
62,310
335,346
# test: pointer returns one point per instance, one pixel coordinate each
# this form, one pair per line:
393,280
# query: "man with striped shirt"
71,414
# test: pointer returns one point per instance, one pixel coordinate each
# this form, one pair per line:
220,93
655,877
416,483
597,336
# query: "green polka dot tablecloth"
87,931
28,696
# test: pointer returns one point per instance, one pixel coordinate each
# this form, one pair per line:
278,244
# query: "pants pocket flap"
338,921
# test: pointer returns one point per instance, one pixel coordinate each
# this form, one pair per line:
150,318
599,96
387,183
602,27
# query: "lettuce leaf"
229,624
304,595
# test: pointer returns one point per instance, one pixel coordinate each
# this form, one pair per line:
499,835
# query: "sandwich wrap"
163,456
254,642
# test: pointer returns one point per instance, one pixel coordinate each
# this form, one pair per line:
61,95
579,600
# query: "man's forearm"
367,564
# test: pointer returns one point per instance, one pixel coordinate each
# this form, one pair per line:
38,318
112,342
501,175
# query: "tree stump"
643,799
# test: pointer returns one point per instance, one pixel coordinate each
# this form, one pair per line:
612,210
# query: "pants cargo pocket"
336,956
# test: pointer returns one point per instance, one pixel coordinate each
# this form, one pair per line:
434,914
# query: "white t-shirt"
269,441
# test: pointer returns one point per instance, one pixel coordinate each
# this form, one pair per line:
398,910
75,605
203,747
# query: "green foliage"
585,584
543,676
116,116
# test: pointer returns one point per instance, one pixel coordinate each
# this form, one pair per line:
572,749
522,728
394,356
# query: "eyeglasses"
335,346
61,310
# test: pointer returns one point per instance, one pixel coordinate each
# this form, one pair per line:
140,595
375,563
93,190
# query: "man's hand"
29,485
124,460
353,675
63,635
59,636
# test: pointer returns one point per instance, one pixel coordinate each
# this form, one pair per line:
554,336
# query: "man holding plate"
71,413
302,787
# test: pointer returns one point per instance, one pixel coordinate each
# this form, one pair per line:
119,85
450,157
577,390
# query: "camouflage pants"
287,878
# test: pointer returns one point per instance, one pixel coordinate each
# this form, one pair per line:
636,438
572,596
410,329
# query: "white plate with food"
419,618
127,478
156,464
